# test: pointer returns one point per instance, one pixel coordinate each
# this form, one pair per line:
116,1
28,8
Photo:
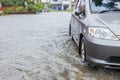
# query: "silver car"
95,28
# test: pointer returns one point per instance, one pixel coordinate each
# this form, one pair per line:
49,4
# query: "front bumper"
103,52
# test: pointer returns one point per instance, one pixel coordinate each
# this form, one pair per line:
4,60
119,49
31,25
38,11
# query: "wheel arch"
81,36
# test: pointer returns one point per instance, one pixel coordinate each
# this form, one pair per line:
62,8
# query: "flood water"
38,47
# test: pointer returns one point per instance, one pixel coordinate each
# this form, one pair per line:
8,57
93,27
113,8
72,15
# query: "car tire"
70,33
69,29
82,50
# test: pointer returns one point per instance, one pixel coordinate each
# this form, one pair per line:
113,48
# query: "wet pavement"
37,47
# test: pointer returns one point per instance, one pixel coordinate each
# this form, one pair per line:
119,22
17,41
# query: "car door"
74,22
79,22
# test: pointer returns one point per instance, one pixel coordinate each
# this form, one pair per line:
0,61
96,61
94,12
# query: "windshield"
97,6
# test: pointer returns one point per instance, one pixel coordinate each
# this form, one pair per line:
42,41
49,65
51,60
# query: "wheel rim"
83,52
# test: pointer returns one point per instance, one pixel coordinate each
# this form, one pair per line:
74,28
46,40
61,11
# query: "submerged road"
38,47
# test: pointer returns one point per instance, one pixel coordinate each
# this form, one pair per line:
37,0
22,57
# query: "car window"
82,7
104,5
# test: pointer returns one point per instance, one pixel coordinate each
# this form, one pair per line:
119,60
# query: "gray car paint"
111,20
97,50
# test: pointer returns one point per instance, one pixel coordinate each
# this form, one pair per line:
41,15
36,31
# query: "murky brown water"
37,47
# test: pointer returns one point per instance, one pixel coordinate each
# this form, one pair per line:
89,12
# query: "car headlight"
101,33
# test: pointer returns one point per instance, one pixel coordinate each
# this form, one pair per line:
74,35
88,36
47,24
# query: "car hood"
110,20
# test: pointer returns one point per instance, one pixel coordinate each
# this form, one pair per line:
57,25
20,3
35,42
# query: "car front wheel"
82,50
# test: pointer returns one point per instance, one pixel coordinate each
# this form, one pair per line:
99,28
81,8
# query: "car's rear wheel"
69,29
70,33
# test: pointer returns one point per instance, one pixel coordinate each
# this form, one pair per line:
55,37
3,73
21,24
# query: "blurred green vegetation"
20,9
8,10
6,3
20,6
32,8
35,7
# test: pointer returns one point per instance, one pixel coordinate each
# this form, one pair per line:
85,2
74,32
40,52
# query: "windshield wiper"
103,11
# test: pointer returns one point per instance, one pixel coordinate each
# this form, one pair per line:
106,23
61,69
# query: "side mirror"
77,12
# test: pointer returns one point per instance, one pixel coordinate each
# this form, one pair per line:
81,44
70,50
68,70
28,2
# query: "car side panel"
76,28
73,28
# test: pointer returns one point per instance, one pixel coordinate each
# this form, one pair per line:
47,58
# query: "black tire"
70,34
82,50
69,29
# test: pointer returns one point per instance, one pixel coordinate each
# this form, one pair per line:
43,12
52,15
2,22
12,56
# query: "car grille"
114,59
